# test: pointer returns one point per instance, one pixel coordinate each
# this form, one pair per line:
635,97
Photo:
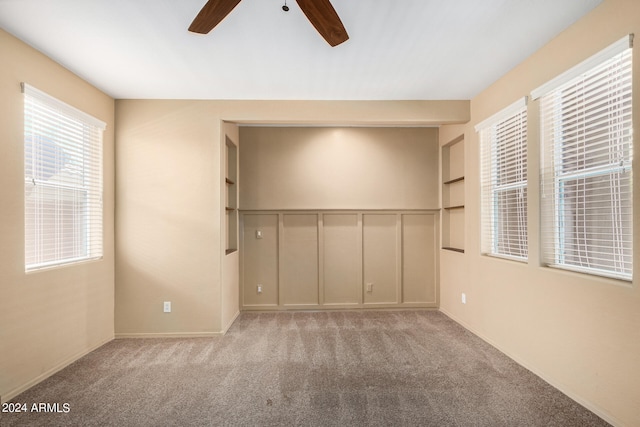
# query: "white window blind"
586,125
503,139
63,182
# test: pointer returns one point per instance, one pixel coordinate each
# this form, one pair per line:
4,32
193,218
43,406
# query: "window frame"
64,183
555,242
491,166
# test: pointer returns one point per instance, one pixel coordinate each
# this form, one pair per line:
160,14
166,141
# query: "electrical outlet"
369,287
167,306
464,298
259,289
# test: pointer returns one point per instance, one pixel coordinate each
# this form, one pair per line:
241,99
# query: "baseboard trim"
346,306
590,406
60,366
168,335
178,334
233,319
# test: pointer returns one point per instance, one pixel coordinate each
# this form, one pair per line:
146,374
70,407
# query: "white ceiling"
398,49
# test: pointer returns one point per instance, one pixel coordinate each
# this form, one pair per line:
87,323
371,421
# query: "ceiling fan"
320,13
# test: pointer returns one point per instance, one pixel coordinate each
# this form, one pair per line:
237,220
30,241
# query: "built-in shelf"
229,251
451,181
231,195
452,196
454,249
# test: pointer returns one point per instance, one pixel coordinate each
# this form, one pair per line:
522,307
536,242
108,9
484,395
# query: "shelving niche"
231,196
453,196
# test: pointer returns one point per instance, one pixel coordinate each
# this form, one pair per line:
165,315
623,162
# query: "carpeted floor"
392,368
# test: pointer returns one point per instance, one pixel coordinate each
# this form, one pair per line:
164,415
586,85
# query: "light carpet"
342,368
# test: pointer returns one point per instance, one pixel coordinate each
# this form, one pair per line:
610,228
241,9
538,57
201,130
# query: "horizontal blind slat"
504,181
586,192
63,183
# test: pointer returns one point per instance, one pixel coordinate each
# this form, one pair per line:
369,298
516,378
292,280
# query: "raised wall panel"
260,260
324,260
419,258
342,259
380,251
299,267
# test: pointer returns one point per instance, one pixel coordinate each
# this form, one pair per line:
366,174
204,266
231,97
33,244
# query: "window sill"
67,264
524,261
594,275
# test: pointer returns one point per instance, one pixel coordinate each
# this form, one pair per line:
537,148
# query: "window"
586,127
63,182
503,139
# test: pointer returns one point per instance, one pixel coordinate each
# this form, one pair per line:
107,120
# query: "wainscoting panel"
327,259
380,252
419,267
299,264
342,259
259,257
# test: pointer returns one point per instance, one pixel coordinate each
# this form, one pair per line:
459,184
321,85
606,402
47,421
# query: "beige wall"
338,168
169,199
322,259
48,318
579,332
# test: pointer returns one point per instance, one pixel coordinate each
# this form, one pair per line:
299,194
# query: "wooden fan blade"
211,14
326,20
